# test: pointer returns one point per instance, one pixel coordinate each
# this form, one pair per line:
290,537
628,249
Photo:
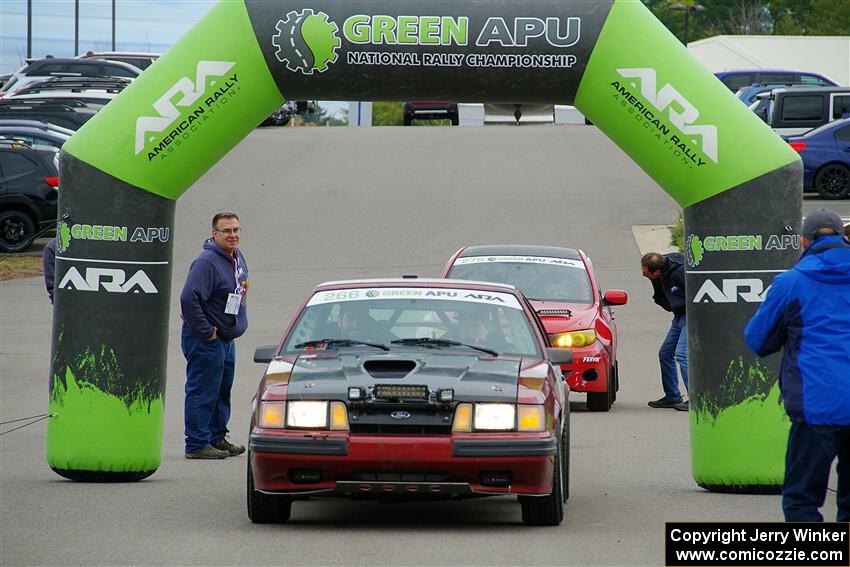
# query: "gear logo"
694,250
306,41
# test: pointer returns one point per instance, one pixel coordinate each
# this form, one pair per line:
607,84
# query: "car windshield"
449,320
540,278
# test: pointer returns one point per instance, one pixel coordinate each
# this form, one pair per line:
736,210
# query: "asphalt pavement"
333,203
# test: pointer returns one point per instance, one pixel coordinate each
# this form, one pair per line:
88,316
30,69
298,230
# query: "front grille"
399,429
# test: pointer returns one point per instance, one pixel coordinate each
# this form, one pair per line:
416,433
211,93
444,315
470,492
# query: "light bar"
401,391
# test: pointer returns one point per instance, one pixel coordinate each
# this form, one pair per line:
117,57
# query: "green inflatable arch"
739,183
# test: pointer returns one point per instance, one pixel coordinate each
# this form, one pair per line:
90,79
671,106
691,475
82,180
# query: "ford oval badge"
400,415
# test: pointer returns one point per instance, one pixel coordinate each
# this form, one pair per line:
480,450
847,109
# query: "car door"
17,171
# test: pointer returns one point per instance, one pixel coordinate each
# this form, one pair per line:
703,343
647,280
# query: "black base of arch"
744,488
103,476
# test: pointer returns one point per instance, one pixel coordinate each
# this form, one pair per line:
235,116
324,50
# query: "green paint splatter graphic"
745,379
695,250
741,445
101,423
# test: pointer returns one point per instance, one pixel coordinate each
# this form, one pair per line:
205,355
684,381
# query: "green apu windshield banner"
613,60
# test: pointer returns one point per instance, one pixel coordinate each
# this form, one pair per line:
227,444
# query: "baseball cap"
822,218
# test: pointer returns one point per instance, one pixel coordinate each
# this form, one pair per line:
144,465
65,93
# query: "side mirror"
265,354
615,297
560,356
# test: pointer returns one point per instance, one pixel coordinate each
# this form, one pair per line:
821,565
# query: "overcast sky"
141,25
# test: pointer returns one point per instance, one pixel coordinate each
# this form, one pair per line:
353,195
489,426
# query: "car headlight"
495,417
574,339
313,415
272,414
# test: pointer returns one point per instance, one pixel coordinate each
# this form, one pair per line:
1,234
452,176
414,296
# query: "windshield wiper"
331,343
427,341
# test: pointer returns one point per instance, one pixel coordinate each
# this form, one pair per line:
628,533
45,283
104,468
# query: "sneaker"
231,449
665,403
684,406
208,452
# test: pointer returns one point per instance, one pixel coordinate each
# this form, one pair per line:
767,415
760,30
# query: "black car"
29,183
34,132
418,110
66,112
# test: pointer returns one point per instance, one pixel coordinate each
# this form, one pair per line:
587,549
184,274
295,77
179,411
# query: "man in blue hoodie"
806,313
667,274
214,315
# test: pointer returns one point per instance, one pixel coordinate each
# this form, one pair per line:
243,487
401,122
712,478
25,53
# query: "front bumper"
338,464
589,370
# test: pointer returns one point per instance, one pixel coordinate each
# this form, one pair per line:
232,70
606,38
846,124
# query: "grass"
677,233
14,267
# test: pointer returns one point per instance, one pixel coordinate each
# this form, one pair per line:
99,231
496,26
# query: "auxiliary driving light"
356,394
445,395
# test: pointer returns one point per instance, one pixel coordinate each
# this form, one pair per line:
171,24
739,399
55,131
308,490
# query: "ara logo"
751,290
684,120
188,92
111,280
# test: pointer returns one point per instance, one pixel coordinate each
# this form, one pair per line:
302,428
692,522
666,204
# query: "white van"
795,111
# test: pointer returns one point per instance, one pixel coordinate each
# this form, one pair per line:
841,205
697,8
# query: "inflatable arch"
739,183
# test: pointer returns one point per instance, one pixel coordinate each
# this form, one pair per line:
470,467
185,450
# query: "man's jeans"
674,349
210,367
811,450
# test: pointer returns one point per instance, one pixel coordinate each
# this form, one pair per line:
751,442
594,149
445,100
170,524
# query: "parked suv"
29,180
134,58
740,78
791,112
430,111
52,67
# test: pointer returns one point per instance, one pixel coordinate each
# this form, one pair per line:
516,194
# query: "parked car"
51,67
794,111
34,132
749,95
68,113
826,159
141,60
399,389
281,115
563,289
29,180
430,111
740,78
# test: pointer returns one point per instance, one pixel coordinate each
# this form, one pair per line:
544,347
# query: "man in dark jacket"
214,315
667,274
806,313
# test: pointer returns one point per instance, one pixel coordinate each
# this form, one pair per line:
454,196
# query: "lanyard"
239,288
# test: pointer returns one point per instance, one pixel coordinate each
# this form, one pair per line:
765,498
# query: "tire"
547,510
616,372
265,508
832,181
601,401
565,451
17,231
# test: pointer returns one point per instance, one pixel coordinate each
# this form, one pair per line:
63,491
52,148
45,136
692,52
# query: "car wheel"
265,508
616,373
17,231
833,181
601,401
547,510
565,451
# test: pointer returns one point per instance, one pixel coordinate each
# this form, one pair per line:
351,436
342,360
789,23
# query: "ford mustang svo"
406,389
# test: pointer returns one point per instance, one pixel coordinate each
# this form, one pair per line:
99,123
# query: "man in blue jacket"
214,315
667,274
806,313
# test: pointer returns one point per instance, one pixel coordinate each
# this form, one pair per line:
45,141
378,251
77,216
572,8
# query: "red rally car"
563,289
405,389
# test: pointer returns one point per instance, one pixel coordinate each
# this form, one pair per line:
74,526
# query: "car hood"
473,378
582,315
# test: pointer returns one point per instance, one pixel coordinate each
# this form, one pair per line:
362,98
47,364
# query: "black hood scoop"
389,368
